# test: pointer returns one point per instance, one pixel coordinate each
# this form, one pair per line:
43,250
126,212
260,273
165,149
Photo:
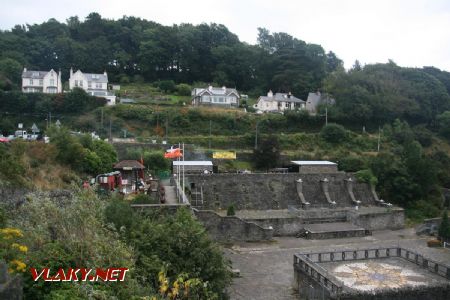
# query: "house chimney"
104,73
224,88
270,94
210,88
289,95
318,93
71,72
24,69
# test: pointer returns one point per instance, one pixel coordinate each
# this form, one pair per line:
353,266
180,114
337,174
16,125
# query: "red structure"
110,181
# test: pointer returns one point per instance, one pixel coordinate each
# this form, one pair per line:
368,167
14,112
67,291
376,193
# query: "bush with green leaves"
231,211
183,89
367,177
334,133
179,244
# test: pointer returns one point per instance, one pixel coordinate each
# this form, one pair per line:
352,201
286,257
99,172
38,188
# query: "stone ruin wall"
276,191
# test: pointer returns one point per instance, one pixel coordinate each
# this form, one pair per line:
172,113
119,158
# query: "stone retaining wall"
391,218
275,191
231,228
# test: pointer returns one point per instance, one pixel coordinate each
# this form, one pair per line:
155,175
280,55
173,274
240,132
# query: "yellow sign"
224,155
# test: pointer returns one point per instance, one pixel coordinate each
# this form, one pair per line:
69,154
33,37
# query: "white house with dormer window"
215,96
41,81
93,84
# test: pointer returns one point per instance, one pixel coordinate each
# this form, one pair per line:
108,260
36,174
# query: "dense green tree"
444,228
267,154
444,124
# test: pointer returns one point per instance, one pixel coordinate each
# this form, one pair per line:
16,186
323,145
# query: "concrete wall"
276,191
307,169
391,218
281,226
225,229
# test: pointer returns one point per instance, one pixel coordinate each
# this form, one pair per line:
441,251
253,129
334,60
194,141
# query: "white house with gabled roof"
219,96
41,81
93,84
278,102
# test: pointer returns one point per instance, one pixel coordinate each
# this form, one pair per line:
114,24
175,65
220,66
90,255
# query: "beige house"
41,81
93,84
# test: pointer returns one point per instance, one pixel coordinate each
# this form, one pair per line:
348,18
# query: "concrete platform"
332,230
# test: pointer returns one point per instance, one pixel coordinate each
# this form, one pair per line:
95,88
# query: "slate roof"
215,91
282,97
316,98
96,77
34,74
127,164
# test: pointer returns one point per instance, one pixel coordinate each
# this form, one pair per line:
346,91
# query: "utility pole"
209,134
326,115
110,129
50,118
256,136
167,126
379,138
101,120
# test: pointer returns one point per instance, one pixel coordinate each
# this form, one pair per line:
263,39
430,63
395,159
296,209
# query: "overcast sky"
413,33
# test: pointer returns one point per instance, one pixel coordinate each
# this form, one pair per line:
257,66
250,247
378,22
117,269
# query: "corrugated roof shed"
129,164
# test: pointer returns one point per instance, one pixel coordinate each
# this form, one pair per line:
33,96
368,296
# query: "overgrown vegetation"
83,230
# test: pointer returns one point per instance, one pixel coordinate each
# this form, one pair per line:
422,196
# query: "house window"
76,82
81,83
221,99
89,84
98,85
41,82
31,81
52,82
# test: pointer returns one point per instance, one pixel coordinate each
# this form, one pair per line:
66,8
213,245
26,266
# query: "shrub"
230,210
351,163
167,86
183,89
367,177
334,133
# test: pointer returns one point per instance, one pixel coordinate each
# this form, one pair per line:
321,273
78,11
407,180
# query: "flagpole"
183,170
179,174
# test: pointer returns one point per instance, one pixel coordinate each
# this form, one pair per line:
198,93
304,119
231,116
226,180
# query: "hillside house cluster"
50,83
272,102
